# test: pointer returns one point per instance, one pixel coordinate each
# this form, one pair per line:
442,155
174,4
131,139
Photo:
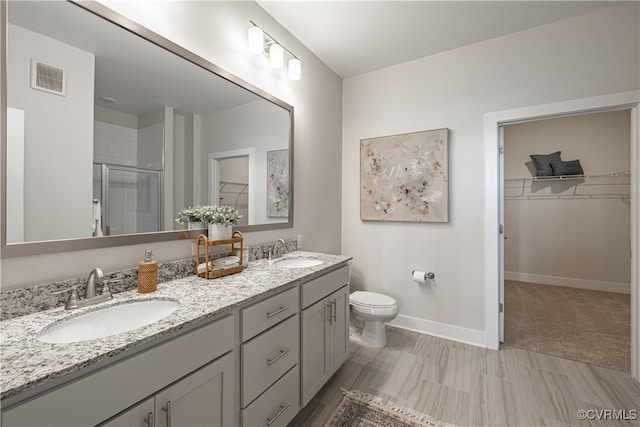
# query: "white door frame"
501,234
214,177
492,121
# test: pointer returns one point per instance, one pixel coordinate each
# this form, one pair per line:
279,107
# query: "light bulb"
256,39
276,56
294,69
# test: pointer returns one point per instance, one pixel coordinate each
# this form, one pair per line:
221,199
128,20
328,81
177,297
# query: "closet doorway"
567,269
232,181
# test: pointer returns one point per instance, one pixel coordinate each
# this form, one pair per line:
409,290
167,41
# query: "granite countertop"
27,363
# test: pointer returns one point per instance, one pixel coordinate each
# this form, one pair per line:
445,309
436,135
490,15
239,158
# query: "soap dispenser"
147,274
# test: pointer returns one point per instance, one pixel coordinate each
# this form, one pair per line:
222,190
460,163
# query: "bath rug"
358,409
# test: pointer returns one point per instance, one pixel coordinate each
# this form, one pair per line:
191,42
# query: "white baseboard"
441,330
593,285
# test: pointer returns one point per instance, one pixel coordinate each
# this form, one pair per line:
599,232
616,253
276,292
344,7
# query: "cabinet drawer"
267,357
278,405
265,314
322,286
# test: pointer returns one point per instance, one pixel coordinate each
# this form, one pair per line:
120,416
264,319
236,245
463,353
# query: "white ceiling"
356,37
140,76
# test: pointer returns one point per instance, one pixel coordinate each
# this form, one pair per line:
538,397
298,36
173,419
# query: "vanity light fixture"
276,55
261,42
256,39
294,69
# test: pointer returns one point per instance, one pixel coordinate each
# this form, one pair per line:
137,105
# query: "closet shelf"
234,190
599,186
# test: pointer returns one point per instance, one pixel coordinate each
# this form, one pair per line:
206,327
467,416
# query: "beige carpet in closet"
587,326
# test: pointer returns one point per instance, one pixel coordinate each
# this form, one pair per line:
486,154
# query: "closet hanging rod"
619,174
232,183
243,188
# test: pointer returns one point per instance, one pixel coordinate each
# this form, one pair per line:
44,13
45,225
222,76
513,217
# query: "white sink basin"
107,321
297,262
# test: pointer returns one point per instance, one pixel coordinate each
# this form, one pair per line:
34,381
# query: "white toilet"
370,311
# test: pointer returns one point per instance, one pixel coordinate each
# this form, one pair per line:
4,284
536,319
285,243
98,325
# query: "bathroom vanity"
240,350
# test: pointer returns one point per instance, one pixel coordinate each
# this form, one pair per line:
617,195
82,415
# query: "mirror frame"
66,245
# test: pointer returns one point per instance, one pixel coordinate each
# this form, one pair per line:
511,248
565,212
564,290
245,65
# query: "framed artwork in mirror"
278,183
405,177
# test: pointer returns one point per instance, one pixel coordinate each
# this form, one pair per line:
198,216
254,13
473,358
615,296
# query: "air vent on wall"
48,78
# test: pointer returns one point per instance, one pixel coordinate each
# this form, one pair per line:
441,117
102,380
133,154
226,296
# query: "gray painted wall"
589,55
54,124
217,31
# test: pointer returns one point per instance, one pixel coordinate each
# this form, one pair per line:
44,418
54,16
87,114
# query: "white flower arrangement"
190,214
225,215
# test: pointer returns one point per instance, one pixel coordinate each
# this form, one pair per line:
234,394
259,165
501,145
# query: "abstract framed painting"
405,177
278,183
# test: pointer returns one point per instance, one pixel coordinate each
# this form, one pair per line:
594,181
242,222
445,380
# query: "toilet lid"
371,299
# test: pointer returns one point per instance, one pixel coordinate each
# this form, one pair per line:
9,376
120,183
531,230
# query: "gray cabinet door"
314,367
139,416
325,341
204,398
338,332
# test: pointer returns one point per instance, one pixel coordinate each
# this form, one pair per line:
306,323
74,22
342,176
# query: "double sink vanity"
247,349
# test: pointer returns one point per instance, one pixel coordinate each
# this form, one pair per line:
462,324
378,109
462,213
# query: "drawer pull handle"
274,360
334,311
149,419
167,409
275,313
275,417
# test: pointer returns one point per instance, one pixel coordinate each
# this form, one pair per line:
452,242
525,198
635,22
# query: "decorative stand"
236,243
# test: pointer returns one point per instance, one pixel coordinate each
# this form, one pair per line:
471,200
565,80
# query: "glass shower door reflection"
130,200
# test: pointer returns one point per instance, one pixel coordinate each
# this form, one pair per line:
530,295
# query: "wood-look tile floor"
472,386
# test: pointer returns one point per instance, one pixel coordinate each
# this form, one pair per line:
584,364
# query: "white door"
501,235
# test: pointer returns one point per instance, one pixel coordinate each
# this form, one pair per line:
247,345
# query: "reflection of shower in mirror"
96,219
130,199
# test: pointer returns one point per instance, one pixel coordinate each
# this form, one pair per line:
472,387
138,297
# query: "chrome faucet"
273,252
90,291
90,296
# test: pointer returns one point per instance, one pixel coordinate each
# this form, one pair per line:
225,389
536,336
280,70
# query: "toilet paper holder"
420,276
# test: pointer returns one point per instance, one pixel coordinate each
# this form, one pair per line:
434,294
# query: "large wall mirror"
112,129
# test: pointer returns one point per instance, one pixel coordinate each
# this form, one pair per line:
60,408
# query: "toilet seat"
373,300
